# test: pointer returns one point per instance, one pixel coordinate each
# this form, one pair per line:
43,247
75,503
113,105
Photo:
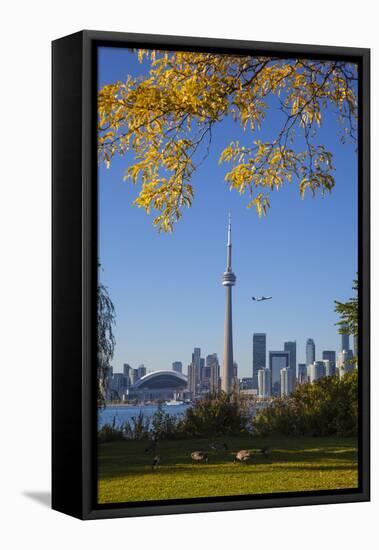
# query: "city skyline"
199,354
166,288
280,378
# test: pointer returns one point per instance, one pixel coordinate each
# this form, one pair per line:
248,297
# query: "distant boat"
173,402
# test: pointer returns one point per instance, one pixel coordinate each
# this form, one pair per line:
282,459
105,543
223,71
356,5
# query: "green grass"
294,464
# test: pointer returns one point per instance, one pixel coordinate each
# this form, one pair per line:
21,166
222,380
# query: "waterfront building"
196,356
291,347
236,383
301,374
329,358
214,380
329,355
286,381
141,371
202,367
126,369
191,379
344,362
264,382
259,355
211,374
316,371
228,281
159,385
310,351
133,376
214,383
118,386
177,366
208,363
330,367
278,360
246,383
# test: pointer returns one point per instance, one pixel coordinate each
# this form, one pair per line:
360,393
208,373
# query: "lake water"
122,413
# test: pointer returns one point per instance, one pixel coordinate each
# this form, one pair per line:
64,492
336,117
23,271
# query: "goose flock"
244,456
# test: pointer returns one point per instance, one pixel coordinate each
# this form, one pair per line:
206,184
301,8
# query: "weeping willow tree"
163,121
106,318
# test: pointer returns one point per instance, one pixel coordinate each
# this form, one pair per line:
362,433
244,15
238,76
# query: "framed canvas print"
210,275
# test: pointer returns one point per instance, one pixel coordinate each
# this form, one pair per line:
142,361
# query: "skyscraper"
133,376
329,355
310,352
196,356
118,386
228,280
291,347
126,368
278,360
235,376
345,342
344,362
356,346
191,379
141,371
177,366
264,382
211,358
316,370
330,367
202,367
214,379
259,355
286,381
301,374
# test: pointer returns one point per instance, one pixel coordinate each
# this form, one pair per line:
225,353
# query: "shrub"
164,425
329,406
138,427
217,414
109,432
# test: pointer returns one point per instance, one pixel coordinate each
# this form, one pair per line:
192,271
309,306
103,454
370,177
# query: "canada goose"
217,446
156,462
243,456
199,456
264,451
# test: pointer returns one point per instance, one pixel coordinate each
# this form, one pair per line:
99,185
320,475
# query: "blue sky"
167,287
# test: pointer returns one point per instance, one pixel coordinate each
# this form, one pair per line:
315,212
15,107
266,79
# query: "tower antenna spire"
229,244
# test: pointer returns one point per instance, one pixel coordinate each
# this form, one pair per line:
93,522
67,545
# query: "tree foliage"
326,407
106,318
166,117
214,415
348,312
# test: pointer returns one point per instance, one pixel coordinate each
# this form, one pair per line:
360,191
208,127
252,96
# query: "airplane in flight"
261,298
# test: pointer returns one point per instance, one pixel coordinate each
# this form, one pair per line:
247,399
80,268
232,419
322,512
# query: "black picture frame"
74,273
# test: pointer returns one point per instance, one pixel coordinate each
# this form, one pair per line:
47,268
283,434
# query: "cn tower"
228,280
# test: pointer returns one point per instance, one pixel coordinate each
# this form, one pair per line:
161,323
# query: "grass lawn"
294,464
